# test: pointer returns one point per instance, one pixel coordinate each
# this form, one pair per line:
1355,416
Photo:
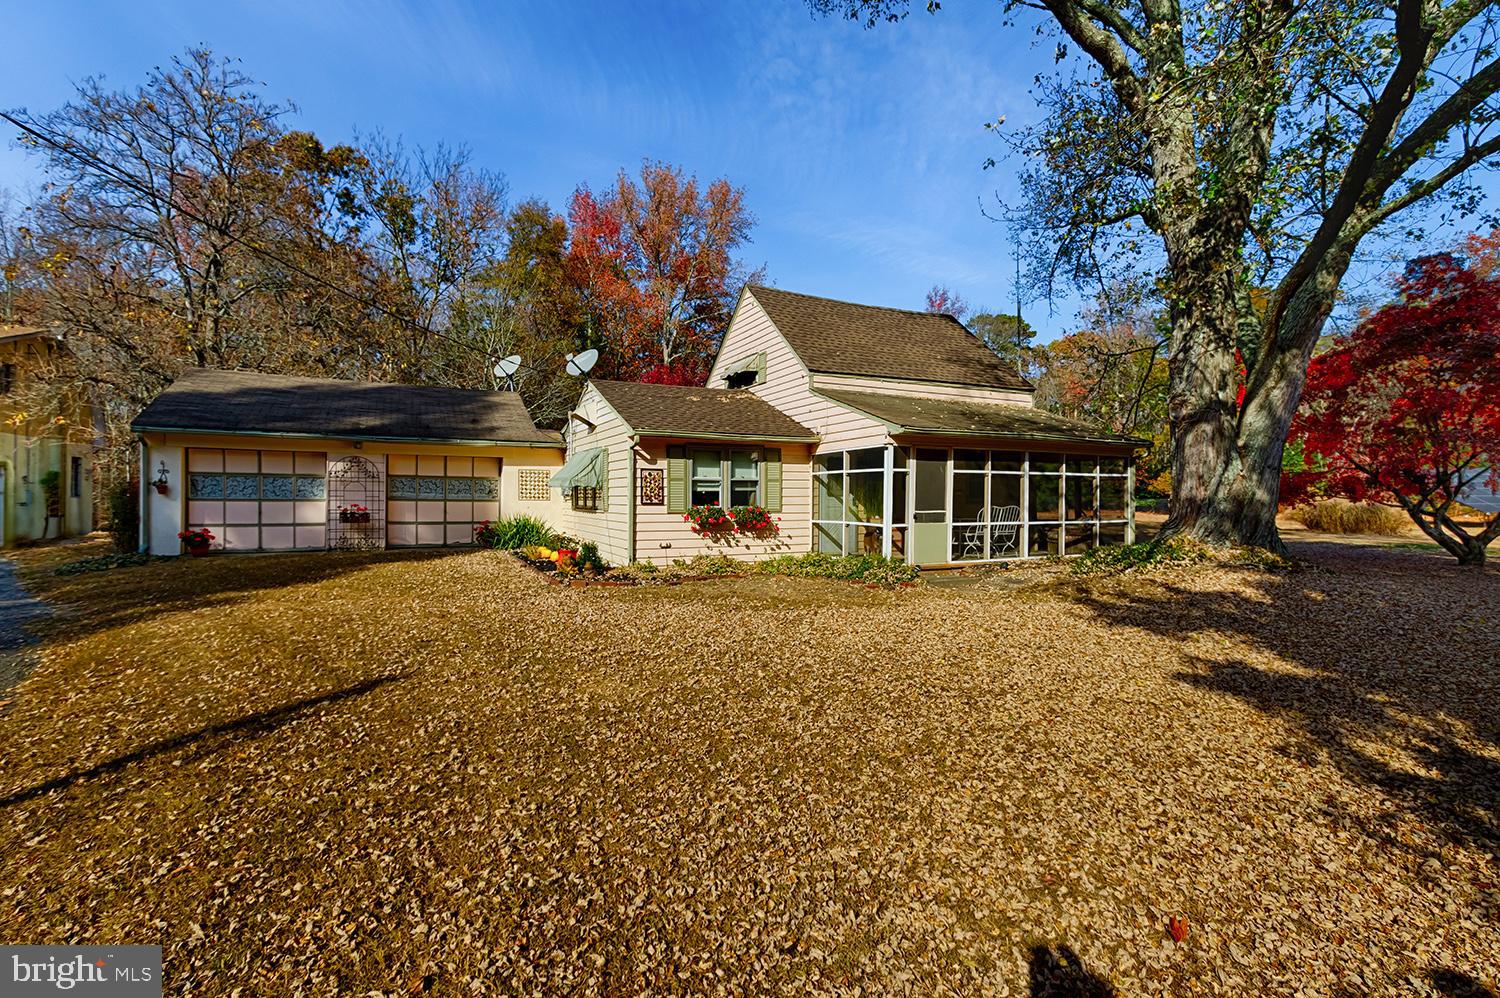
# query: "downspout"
635,441
143,526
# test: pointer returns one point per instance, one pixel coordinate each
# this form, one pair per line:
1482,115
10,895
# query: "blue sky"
860,151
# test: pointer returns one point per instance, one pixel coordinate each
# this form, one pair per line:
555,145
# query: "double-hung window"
708,478
744,479
725,478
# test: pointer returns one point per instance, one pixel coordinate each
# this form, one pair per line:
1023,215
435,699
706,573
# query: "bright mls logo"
103,971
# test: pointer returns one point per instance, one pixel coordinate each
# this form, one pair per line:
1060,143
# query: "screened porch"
941,505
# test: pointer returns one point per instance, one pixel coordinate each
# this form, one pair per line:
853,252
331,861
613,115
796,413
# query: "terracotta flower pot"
161,488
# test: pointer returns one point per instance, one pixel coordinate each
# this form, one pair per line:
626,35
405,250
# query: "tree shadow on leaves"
207,739
1392,651
1058,972
1453,984
103,601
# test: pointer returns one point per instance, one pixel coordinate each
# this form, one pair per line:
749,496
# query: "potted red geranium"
198,541
354,513
754,520
710,519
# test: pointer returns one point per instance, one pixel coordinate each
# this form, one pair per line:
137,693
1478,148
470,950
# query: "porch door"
929,517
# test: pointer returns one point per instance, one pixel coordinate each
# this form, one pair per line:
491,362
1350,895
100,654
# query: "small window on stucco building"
75,478
7,378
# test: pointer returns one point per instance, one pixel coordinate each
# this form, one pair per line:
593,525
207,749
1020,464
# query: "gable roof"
243,402
960,417
840,337
678,411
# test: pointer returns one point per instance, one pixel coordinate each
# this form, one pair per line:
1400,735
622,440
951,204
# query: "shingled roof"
959,417
242,402
676,411
839,337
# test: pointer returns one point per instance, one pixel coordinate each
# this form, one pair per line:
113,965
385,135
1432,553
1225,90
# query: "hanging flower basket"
161,488
710,519
198,542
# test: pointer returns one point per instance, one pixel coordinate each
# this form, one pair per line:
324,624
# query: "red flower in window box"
710,519
755,520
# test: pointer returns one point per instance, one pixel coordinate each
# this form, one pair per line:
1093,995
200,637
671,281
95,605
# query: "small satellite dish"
505,368
580,364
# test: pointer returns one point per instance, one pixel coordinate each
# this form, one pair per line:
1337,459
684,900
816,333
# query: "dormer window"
746,372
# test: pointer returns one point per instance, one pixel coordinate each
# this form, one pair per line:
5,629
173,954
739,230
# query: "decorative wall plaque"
653,487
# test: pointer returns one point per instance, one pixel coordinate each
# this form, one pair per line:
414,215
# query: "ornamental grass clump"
512,533
1340,516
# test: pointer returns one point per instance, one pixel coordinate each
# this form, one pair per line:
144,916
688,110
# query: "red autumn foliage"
1178,927
1406,409
655,267
943,301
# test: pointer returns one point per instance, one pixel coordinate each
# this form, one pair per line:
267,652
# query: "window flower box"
755,521
711,519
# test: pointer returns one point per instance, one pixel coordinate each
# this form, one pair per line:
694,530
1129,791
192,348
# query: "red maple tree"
1407,407
654,260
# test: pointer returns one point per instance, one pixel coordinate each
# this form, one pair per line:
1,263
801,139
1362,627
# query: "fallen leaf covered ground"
432,772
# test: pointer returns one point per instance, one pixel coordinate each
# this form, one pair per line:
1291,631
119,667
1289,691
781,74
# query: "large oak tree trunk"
1231,476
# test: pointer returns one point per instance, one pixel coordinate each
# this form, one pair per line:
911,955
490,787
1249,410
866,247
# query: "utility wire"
121,177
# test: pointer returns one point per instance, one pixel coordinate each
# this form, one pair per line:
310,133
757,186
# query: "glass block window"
489,488
241,486
276,486
205,486
401,486
310,488
461,489
430,489
532,485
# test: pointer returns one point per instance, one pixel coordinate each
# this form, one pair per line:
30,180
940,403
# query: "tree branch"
1103,47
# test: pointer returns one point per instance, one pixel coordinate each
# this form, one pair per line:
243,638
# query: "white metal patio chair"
1005,534
1005,531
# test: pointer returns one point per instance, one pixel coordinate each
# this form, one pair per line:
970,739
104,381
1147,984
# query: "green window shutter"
604,481
770,480
677,480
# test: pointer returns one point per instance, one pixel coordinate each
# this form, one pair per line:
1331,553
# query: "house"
46,442
859,430
273,463
865,429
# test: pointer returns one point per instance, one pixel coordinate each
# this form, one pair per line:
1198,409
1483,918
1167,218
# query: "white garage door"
256,500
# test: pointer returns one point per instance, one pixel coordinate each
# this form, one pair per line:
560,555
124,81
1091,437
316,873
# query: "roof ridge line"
857,304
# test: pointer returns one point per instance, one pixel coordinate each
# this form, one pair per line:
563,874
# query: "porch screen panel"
1080,502
1044,503
1114,500
849,501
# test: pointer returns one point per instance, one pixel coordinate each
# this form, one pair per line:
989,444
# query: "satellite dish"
505,368
580,364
